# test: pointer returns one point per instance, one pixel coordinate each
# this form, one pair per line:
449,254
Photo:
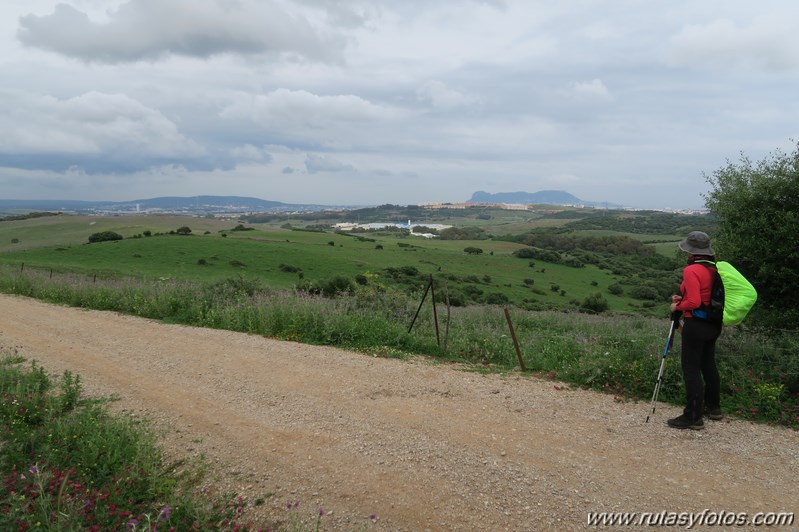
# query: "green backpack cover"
731,298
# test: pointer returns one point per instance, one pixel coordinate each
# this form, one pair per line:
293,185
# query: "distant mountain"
548,197
167,204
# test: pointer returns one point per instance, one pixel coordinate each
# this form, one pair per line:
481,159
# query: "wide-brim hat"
697,243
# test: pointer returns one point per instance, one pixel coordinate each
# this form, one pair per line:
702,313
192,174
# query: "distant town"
230,207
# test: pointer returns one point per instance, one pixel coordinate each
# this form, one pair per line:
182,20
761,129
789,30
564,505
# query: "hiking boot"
684,422
714,414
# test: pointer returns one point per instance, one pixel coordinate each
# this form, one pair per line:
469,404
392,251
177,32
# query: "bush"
183,230
616,289
104,236
288,268
644,292
496,298
471,250
595,303
337,285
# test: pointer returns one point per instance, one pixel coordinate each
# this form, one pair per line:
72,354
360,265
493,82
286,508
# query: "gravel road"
422,446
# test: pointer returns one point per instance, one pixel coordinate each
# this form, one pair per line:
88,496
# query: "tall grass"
617,354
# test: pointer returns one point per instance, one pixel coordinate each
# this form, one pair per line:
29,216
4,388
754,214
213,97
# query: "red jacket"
697,283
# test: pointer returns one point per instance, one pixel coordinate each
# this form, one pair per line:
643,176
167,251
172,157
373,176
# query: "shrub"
104,236
616,289
336,285
471,250
288,268
525,253
496,298
15,240
644,292
183,230
595,303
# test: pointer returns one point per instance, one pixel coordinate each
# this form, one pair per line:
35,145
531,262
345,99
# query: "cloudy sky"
391,101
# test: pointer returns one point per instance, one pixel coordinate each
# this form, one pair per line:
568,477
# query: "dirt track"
422,446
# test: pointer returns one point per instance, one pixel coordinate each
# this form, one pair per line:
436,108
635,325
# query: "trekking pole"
675,321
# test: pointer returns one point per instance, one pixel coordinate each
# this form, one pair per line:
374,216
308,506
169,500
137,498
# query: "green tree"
183,230
471,250
104,236
757,207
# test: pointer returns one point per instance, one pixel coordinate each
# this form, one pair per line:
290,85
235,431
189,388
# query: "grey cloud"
95,132
287,170
320,163
149,30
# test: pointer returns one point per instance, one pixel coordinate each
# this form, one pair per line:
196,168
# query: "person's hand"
673,307
676,299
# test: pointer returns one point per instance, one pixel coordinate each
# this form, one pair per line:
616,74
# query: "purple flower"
131,525
165,513
373,518
321,512
33,469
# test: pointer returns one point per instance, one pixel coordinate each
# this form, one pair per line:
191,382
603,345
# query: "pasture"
282,258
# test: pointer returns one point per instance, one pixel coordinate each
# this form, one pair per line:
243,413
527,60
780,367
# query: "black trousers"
702,382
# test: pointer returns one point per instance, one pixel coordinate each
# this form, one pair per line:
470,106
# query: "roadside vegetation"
67,464
616,353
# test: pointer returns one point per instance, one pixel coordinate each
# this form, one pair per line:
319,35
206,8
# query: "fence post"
515,341
420,307
435,313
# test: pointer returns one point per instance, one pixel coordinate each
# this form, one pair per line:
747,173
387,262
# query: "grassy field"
281,258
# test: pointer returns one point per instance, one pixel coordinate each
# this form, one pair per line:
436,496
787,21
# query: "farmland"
283,254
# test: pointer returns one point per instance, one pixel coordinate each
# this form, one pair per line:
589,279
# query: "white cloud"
152,29
315,163
333,122
439,95
594,88
248,152
94,131
766,42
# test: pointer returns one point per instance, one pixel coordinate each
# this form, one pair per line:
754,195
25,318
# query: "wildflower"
373,518
321,512
165,513
131,525
33,469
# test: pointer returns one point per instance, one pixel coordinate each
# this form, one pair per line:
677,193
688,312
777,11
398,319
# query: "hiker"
698,357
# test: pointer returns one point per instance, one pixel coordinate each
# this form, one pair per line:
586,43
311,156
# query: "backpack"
731,297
